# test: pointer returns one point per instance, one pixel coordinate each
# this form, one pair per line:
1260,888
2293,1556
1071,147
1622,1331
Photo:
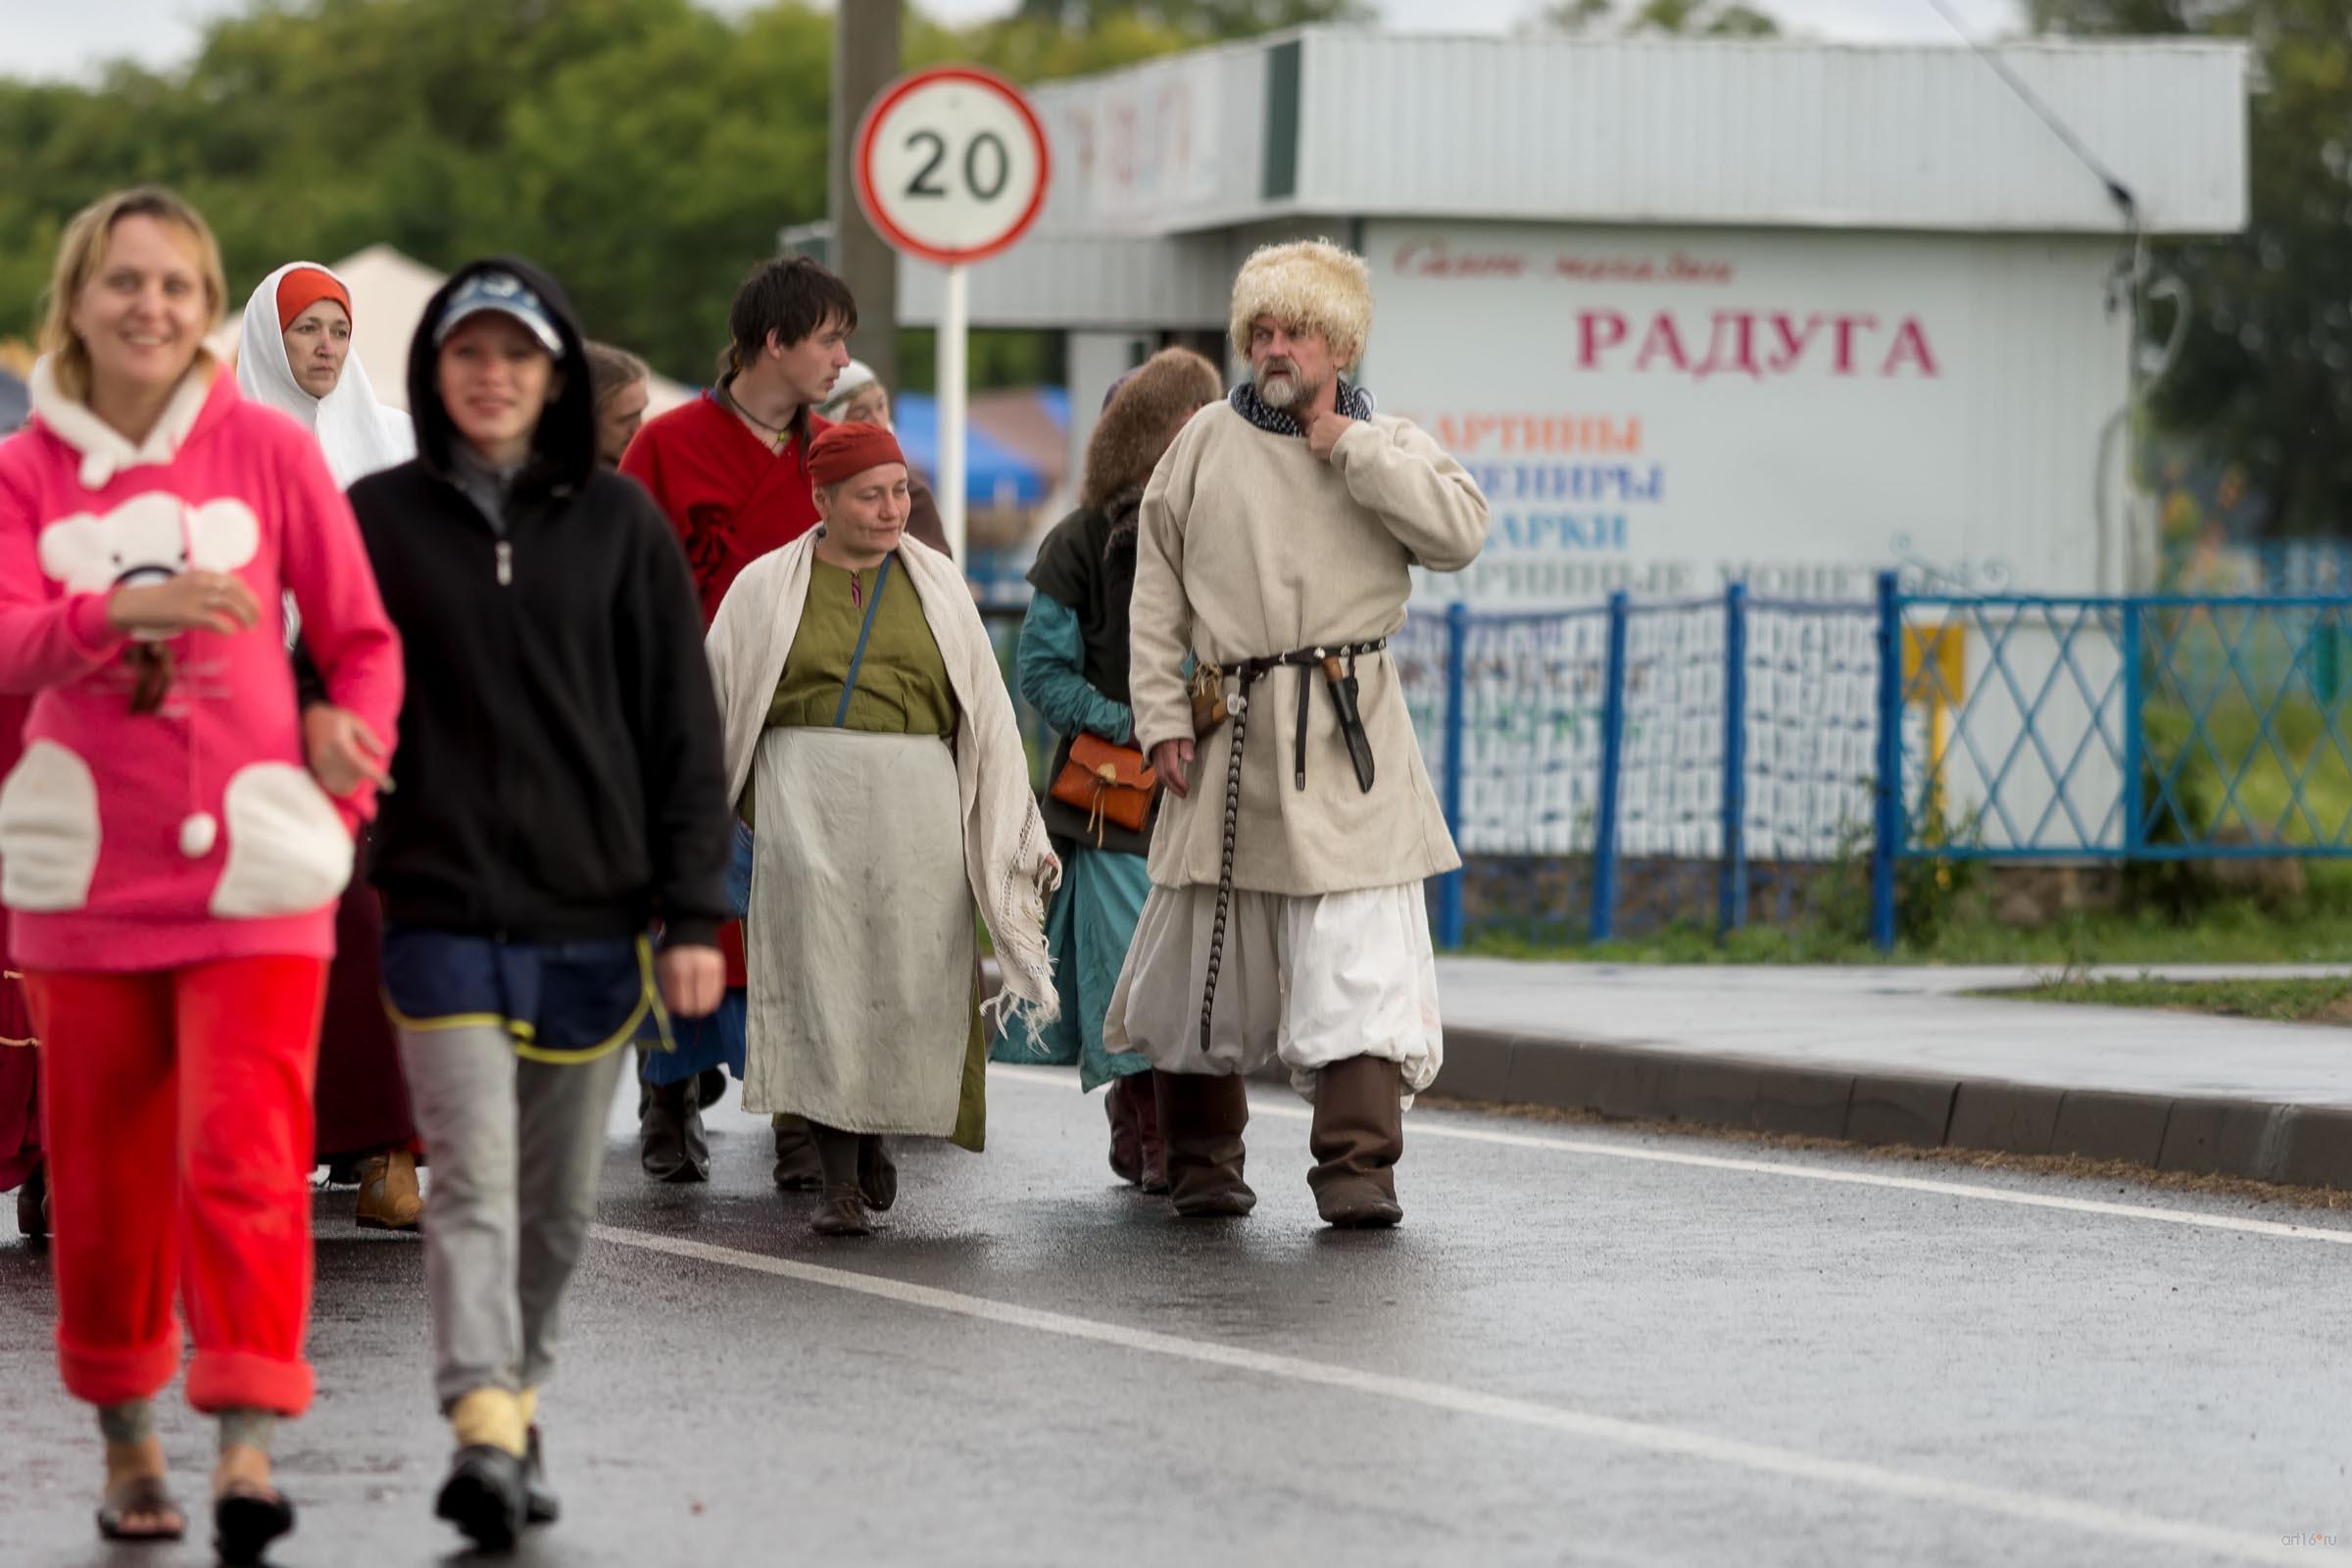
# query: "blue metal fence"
1612,769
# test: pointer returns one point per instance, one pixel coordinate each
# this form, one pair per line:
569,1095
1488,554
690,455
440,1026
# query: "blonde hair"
82,249
1309,286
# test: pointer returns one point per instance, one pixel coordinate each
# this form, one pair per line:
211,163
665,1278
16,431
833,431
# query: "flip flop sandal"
139,1494
245,1520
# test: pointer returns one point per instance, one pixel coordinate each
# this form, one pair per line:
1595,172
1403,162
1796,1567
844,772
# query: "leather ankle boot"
797,1168
877,1173
673,1148
388,1197
1126,1129
1356,1139
1200,1122
1149,1143
841,1211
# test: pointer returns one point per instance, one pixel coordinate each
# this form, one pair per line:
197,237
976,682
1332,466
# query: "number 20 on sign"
951,165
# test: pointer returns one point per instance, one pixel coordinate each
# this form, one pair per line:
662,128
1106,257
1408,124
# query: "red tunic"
732,500
729,496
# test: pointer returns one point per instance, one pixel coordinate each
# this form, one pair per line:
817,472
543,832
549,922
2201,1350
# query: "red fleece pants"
176,1113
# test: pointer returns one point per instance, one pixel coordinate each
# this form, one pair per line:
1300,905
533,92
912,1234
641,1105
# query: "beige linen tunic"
1251,546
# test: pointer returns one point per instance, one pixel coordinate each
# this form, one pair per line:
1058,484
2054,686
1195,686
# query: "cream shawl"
1005,855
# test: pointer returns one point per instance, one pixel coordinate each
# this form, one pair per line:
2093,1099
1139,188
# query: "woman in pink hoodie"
173,842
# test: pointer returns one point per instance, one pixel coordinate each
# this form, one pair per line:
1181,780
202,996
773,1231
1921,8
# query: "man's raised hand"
1324,434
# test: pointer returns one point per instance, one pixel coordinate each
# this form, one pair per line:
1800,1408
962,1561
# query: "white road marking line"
1773,1167
1649,1437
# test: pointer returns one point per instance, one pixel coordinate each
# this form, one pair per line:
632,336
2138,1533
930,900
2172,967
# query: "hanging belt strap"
841,713
1246,675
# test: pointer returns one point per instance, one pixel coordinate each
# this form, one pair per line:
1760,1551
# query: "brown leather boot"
1356,1139
1200,1120
671,1146
797,1168
1154,1148
388,1197
877,1173
1119,1102
841,1211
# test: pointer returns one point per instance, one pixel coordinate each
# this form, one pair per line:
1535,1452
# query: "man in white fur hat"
1286,918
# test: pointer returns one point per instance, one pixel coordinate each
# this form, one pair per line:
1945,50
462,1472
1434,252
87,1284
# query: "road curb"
2301,1146
2304,1146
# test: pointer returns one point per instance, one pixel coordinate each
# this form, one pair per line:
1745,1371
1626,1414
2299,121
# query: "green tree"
1197,18
647,151
1679,18
2265,374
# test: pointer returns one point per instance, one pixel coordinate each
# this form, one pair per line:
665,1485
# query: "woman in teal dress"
1073,670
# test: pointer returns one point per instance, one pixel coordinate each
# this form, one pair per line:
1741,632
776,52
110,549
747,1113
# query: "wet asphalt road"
1583,1347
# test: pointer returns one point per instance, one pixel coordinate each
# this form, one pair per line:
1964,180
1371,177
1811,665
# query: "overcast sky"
69,37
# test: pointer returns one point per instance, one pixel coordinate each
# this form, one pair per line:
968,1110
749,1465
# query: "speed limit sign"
951,165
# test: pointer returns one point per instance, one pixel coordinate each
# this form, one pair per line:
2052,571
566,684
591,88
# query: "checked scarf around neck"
1353,402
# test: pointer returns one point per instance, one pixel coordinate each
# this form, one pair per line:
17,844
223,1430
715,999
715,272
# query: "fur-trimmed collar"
105,453
1124,513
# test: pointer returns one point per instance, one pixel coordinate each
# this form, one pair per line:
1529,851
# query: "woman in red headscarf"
871,744
295,354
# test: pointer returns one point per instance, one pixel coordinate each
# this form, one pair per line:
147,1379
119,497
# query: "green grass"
2279,1000
2289,782
2228,933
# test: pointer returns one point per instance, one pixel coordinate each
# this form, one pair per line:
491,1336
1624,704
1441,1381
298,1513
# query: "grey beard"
1292,391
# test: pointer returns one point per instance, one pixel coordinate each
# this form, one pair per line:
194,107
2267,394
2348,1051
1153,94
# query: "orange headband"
304,287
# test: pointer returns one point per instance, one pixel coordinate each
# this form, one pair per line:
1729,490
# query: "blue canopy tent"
995,474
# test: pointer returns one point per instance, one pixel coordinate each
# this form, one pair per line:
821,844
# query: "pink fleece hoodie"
131,842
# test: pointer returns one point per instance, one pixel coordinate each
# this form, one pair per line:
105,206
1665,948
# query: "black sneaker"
485,1496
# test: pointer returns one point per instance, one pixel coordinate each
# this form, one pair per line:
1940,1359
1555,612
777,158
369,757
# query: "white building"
1790,311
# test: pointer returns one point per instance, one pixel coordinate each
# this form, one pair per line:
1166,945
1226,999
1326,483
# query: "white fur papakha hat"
1307,286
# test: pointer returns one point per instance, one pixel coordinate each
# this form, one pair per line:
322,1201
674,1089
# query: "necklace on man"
774,436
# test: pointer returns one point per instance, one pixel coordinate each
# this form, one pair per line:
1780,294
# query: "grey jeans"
513,1150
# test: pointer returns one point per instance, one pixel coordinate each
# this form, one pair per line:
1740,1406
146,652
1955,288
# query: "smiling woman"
169,865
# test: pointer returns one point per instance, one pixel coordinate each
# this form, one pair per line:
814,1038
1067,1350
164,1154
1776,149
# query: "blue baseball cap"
509,295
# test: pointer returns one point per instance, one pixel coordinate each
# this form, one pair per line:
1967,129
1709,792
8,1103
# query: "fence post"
2326,660
1612,759
1450,920
1732,885
2135,703
1887,838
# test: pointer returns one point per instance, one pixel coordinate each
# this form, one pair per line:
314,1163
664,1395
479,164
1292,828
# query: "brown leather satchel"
1108,783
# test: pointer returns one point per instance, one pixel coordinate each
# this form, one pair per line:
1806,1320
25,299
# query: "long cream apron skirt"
860,932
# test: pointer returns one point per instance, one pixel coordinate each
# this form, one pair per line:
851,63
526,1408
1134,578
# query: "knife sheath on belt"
1342,684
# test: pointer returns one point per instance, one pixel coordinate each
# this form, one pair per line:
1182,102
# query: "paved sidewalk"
1898,1056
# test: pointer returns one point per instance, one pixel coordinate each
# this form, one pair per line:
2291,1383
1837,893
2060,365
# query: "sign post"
952,168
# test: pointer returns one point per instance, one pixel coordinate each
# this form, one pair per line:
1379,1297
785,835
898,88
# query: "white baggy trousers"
1306,981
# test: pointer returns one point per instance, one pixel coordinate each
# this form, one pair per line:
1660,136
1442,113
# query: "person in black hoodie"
559,793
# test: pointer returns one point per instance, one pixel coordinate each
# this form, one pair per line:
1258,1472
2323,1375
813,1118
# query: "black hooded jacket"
560,773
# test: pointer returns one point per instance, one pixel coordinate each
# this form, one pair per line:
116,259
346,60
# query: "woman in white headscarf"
295,355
